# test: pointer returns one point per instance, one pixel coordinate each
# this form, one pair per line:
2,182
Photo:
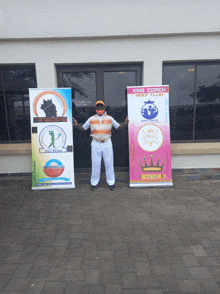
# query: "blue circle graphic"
149,110
53,160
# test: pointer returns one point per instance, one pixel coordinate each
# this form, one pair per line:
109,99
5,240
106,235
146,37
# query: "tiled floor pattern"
144,240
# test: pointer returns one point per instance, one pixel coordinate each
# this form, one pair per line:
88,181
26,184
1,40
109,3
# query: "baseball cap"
100,102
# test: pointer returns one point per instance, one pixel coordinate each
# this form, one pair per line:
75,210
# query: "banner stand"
51,139
149,136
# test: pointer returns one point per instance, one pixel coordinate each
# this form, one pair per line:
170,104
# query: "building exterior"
95,46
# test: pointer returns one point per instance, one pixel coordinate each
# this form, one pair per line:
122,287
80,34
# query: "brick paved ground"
146,241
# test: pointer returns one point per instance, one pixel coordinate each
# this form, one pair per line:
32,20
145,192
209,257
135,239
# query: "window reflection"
115,95
14,98
83,87
207,122
180,78
194,100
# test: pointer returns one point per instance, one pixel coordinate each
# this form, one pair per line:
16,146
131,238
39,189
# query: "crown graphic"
150,131
152,167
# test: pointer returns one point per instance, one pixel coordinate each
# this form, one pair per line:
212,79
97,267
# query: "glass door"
106,82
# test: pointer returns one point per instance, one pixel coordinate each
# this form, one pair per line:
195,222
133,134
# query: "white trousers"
97,151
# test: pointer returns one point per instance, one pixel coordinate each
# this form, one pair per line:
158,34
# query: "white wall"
22,163
15,164
195,161
89,18
151,51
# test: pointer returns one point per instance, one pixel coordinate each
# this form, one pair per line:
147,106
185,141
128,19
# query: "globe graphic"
149,110
53,168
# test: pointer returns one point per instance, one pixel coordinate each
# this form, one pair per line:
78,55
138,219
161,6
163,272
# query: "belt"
101,141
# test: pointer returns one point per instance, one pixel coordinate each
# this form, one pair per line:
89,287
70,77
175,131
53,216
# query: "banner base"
150,185
52,188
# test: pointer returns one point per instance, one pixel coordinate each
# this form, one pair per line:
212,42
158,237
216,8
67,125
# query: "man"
101,125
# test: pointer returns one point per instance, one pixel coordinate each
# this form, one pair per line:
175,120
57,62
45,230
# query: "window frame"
191,63
3,68
99,70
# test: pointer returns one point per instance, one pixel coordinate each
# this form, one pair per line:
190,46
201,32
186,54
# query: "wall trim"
176,148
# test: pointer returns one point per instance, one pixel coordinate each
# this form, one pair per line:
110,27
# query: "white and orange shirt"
101,126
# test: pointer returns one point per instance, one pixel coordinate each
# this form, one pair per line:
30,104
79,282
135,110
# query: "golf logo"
47,103
149,110
53,169
150,137
52,140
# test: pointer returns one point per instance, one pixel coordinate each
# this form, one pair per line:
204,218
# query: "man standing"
101,125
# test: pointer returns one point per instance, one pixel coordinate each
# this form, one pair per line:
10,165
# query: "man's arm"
75,123
124,124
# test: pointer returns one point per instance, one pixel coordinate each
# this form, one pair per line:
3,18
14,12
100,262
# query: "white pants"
97,151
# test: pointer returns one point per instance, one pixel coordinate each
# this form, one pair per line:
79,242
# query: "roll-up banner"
51,139
149,136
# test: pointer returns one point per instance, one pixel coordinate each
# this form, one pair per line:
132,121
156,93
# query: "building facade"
98,49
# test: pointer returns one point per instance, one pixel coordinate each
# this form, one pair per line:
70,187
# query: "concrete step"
122,177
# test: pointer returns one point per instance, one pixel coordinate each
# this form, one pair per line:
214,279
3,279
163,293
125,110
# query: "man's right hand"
74,122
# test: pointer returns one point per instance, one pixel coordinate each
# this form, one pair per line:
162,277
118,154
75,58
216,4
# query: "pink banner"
149,136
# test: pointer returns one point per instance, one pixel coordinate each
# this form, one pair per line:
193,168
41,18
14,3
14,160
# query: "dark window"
90,83
194,100
14,98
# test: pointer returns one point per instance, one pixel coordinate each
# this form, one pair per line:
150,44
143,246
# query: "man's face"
100,107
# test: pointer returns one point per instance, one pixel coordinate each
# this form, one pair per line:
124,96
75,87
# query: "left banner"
51,139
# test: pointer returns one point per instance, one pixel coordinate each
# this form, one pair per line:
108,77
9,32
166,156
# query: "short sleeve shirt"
115,124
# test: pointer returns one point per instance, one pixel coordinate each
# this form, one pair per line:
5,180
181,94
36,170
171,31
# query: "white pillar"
152,72
46,75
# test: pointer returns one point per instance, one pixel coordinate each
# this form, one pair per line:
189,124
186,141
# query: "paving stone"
129,280
161,270
200,272
154,240
150,281
74,263
119,246
53,287
213,236
190,260
151,291
17,284
108,266
22,270
189,285
214,251
74,275
198,250
143,268
180,272
113,289
73,287
93,264
210,286
131,291
7,269
168,284
110,278
4,280
91,277
35,286
93,289
39,272
208,261
56,274
215,272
